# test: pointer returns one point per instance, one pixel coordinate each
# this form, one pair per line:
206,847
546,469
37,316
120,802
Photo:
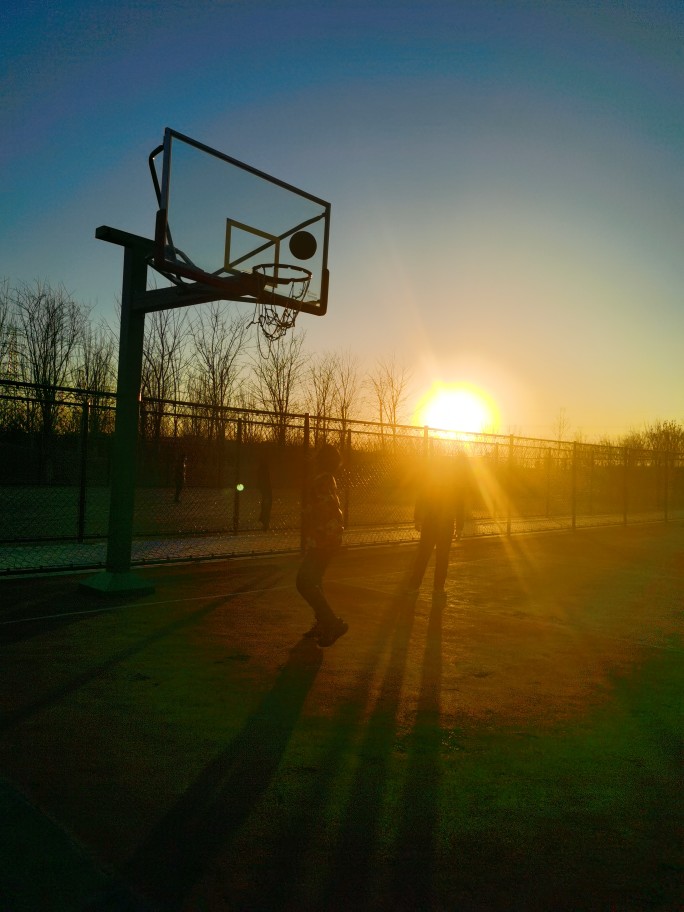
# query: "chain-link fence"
217,482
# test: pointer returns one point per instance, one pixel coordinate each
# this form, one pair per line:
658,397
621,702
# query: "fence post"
573,491
625,485
496,500
666,484
237,482
509,498
83,474
345,506
305,484
220,451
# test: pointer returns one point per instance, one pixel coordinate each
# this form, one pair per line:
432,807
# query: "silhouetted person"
322,538
439,512
181,464
266,492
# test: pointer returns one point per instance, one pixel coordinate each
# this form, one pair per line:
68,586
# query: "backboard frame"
235,285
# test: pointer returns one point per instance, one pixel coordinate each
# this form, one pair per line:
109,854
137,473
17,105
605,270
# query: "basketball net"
270,314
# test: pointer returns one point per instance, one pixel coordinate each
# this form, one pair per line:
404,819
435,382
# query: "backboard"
225,224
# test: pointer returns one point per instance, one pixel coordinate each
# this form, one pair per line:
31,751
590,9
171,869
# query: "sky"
506,179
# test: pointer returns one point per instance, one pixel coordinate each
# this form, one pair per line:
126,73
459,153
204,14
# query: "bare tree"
561,426
666,440
50,324
95,373
633,440
5,326
218,344
347,387
166,334
389,384
398,380
10,409
376,384
277,378
95,360
664,437
320,391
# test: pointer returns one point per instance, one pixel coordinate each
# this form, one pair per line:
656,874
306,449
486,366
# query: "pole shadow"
289,876
174,857
53,606
415,856
15,717
354,868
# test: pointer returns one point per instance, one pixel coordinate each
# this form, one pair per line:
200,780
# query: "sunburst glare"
455,408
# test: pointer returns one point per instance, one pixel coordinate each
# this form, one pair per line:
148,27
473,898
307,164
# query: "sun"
458,407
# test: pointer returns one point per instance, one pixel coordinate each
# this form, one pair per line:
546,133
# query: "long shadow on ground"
54,695
290,873
355,864
172,860
413,876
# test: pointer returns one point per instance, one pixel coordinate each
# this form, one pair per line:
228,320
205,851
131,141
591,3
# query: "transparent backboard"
226,224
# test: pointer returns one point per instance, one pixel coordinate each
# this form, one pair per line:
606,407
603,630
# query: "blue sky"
506,178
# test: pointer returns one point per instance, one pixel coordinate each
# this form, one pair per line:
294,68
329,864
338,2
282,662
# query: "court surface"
516,749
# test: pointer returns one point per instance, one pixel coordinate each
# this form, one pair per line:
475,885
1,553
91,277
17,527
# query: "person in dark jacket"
322,539
439,513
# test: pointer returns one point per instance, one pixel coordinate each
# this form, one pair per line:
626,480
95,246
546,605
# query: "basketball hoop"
293,282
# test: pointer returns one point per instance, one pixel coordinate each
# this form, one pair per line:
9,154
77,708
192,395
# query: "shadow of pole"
293,874
413,878
355,867
173,858
56,694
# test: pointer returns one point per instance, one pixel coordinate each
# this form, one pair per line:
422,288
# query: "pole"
127,414
509,499
305,484
135,302
573,493
347,466
117,577
83,474
237,481
625,486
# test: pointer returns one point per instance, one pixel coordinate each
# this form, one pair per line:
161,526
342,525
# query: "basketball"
303,245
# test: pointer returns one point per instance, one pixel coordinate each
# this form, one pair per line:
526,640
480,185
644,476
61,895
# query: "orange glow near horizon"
458,407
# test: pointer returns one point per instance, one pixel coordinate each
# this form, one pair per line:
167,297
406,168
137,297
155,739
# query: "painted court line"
191,598
346,581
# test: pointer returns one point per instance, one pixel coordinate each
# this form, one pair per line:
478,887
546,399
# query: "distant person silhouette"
322,539
181,464
439,514
266,492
